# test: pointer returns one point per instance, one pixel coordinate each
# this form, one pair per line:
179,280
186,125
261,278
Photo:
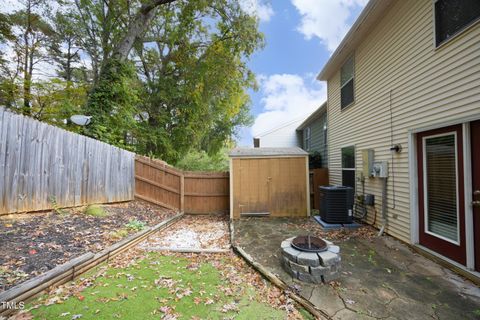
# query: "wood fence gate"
189,192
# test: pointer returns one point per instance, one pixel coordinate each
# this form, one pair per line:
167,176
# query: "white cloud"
261,9
287,97
326,19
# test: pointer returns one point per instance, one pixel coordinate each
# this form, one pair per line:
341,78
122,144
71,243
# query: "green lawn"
169,287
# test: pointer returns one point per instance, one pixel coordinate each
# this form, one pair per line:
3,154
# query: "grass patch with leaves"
169,287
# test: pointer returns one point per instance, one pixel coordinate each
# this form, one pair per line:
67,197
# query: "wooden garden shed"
269,182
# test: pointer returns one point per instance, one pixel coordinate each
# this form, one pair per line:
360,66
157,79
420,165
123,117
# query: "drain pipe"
384,206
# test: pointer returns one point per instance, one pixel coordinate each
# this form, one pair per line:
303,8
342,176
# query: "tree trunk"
26,74
26,78
137,28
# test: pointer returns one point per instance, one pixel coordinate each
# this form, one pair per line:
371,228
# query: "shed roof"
266,152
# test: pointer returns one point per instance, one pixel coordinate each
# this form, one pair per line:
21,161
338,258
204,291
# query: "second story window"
307,138
452,16
347,94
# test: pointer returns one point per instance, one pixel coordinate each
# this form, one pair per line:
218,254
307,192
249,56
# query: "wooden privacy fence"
190,192
42,166
318,178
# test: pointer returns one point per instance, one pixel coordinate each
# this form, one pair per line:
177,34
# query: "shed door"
274,185
254,185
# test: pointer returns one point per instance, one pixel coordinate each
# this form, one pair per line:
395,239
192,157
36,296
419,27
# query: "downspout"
384,206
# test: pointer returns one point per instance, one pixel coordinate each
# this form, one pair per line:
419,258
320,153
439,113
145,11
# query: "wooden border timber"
310,307
75,267
319,314
190,250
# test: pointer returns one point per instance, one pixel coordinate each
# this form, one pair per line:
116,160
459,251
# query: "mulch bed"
37,243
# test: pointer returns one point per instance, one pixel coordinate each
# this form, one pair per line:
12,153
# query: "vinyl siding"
317,138
428,86
282,136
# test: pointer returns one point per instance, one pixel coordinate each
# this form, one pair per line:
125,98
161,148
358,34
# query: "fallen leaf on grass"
165,309
209,301
229,307
53,300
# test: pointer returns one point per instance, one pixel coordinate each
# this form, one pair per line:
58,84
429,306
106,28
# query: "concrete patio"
380,278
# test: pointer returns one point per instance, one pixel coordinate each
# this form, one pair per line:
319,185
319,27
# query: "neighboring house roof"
313,116
281,126
369,17
266,152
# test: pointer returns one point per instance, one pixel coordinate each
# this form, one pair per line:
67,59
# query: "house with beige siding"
404,123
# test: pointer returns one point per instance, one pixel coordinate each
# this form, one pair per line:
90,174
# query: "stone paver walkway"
381,278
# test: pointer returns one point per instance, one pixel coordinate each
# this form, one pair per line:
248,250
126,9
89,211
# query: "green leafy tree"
193,65
64,48
30,43
54,101
8,88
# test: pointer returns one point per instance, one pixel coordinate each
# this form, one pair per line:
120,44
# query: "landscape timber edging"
310,307
70,270
317,313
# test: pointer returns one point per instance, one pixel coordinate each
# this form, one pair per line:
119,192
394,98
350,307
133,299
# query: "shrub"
119,234
136,225
202,161
95,211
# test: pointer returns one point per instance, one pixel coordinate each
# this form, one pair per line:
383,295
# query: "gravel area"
193,232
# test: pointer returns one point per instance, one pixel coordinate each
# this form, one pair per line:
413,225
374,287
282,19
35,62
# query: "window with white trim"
441,186
348,167
347,90
307,138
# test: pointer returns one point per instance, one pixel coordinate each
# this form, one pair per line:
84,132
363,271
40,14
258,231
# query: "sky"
300,37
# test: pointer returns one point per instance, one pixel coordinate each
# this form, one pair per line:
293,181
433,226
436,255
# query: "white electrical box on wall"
380,169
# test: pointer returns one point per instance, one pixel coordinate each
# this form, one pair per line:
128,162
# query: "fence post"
182,192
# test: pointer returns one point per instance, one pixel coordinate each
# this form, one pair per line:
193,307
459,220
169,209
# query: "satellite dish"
81,120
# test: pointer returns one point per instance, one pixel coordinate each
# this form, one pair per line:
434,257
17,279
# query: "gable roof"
371,14
315,114
279,127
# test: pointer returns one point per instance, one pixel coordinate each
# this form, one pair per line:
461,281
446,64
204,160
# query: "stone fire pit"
315,262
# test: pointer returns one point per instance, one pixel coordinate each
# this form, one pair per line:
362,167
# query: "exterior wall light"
396,148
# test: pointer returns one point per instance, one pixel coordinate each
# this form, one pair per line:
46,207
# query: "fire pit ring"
309,244
311,259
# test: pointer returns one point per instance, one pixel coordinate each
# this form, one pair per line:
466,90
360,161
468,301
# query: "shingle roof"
266,152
